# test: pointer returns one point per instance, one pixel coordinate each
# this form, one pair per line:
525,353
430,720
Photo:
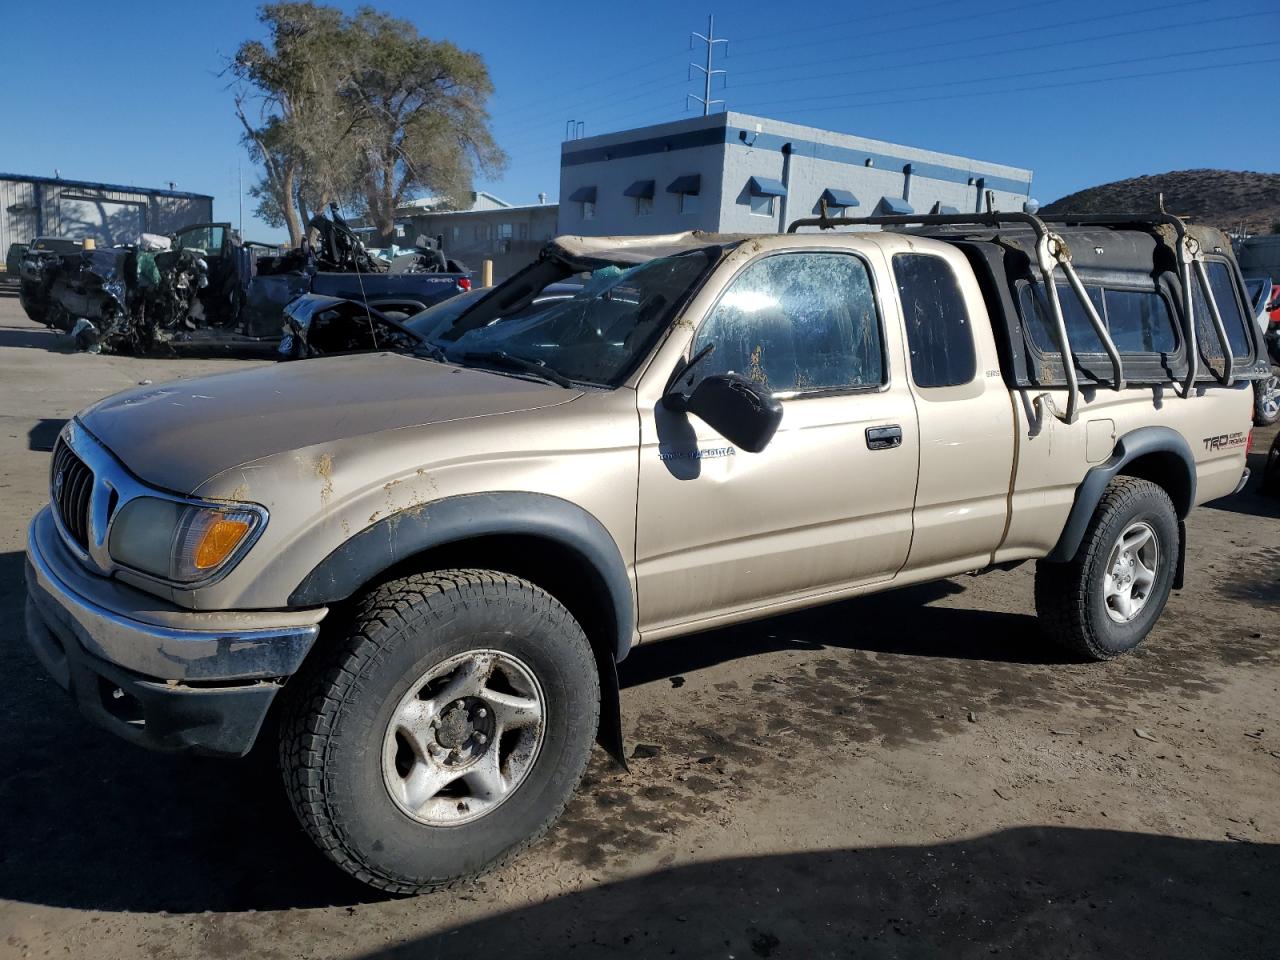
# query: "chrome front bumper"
157,674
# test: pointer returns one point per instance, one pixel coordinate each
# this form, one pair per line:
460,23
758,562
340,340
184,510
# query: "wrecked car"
13,262
37,271
210,289
414,576
316,325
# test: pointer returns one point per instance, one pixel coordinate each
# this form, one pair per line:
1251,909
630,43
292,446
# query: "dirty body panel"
880,474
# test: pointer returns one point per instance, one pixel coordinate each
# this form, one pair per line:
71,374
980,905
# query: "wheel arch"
1155,453
548,541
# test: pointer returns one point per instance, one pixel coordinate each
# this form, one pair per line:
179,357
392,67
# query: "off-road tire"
1270,486
1070,600
1266,411
336,714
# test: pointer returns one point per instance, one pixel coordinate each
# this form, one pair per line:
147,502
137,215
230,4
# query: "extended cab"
418,571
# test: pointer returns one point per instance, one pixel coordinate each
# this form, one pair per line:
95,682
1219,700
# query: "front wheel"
1105,600
446,730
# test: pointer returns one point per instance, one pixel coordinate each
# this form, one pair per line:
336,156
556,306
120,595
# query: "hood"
177,435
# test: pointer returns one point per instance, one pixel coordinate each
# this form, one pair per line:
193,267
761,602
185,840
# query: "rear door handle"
884,438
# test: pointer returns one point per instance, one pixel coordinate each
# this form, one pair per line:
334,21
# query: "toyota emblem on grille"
57,483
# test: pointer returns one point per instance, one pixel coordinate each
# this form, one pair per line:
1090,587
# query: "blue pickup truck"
253,285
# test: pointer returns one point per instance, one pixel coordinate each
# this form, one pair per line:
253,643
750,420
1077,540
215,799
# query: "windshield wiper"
425,348
500,358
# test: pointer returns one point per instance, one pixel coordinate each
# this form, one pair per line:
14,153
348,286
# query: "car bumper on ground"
157,675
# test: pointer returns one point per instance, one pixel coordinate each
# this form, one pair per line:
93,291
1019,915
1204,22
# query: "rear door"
965,412
827,505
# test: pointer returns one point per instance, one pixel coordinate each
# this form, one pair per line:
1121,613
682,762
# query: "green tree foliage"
359,110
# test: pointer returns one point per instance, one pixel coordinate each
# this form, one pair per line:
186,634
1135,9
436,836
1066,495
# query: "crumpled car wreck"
124,300
204,286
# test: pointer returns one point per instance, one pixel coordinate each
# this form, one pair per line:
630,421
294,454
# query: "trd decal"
1226,441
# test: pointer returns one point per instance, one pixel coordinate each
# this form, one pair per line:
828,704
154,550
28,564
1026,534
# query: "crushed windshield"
596,335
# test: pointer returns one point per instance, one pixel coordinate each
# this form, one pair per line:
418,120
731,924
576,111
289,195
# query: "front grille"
70,483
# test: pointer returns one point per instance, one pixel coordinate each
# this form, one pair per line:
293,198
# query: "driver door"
826,505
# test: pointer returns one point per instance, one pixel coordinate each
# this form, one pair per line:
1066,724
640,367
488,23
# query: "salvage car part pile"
133,299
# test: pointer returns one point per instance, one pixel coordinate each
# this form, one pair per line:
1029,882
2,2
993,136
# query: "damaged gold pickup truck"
413,573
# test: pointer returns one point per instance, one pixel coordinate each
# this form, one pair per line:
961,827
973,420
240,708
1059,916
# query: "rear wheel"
1266,399
446,730
1271,470
1105,600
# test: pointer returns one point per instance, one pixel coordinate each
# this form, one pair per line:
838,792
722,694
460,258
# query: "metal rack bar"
1051,251
1219,328
1190,258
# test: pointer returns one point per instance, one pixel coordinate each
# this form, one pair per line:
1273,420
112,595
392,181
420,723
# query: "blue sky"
1082,92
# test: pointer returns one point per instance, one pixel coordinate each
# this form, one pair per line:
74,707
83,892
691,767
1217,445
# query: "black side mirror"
743,412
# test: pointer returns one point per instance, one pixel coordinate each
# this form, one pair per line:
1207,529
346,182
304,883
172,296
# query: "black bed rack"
1052,252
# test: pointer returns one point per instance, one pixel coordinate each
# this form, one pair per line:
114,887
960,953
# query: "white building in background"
735,173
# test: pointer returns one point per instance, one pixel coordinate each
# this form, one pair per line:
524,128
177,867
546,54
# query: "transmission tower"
707,72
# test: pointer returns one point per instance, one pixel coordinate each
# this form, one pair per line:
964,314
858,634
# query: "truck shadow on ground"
873,623
1030,892
90,822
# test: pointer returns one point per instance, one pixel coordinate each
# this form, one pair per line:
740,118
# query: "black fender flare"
1131,446
400,536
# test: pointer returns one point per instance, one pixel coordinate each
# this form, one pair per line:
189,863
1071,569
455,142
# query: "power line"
1042,86
952,81
580,106
1004,35
664,58
1015,8
860,19
939,60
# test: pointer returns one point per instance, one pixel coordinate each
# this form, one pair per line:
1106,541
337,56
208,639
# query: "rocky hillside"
1223,198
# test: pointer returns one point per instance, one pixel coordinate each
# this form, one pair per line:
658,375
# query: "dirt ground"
915,774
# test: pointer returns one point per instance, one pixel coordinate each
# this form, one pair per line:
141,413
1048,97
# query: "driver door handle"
884,438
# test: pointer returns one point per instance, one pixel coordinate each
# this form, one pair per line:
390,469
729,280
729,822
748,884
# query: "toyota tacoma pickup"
413,574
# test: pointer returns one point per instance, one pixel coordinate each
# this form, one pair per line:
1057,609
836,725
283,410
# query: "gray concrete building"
735,173
110,213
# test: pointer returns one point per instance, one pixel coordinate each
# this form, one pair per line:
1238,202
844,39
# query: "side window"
1035,314
797,322
939,334
1138,320
1224,295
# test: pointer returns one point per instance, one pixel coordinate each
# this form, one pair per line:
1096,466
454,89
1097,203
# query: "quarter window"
1138,320
939,334
1224,295
797,322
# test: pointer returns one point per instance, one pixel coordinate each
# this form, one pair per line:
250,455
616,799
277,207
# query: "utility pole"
707,72
240,193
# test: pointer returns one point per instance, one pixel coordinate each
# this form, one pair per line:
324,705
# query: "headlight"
182,542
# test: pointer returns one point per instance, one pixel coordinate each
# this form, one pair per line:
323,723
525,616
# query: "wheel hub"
463,738
463,724
1132,572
